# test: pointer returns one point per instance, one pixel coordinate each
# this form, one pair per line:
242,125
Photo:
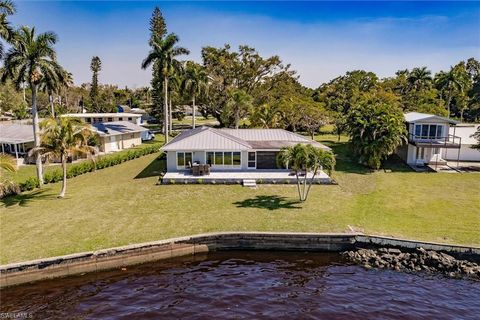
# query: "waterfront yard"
122,205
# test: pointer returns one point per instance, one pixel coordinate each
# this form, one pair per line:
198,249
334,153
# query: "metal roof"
16,133
117,127
206,138
417,116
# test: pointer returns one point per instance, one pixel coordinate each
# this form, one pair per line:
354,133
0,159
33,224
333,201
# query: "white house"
429,139
465,132
107,117
232,153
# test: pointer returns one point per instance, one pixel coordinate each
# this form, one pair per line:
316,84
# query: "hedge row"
88,166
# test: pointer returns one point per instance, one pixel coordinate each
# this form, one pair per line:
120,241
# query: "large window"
184,159
428,131
224,158
252,159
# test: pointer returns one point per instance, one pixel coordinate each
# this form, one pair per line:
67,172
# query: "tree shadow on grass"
154,168
268,202
24,199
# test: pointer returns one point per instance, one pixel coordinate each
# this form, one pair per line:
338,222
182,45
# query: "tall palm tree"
304,159
62,138
163,53
7,33
175,82
54,85
419,78
32,58
448,83
195,83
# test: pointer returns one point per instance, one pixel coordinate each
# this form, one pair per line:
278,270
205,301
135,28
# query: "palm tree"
195,83
8,164
238,105
54,85
163,53
7,8
62,138
419,78
304,159
32,58
448,83
175,83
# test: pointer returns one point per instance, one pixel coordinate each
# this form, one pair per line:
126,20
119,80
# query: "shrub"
53,176
29,184
8,188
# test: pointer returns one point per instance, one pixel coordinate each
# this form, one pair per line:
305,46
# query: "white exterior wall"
119,142
201,156
466,154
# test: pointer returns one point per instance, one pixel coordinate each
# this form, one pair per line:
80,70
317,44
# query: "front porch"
238,177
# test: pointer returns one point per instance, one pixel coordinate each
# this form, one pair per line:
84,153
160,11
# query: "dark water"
247,285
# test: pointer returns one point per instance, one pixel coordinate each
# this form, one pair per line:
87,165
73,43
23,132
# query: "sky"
321,40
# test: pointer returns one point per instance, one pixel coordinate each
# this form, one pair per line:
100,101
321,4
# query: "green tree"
476,135
163,53
266,116
158,29
305,160
7,33
243,70
195,83
53,86
238,106
62,138
95,67
420,78
376,128
32,58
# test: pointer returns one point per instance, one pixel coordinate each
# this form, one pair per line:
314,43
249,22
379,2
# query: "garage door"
267,159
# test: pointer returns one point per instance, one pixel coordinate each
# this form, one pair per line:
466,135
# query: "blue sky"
321,40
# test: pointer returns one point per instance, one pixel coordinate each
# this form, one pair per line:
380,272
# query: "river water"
246,285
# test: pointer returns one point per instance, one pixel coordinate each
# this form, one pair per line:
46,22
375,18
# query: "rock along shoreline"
419,260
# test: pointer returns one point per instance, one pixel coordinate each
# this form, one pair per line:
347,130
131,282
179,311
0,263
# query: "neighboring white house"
107,117
230,149
464,131
17,139
429,138
115,136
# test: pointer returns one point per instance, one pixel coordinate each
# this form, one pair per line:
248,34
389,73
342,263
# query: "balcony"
450,141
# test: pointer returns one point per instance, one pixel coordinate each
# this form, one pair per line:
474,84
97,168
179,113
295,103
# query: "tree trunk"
52,107
64,181
449,101
298,186
170,118
165,108
36,134
193,112
24,96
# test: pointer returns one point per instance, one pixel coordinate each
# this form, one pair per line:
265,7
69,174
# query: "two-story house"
429,138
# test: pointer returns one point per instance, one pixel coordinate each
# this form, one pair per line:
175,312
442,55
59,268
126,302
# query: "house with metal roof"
429,138
231,153
92,118
17,139
118,135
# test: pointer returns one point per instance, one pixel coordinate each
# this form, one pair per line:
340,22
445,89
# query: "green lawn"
122,205
27,171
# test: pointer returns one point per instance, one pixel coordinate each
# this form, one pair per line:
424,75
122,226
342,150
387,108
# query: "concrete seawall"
79,263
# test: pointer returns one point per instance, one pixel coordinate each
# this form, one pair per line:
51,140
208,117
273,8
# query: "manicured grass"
122,205
28,171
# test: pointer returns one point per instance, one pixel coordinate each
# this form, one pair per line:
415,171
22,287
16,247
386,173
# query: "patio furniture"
196,170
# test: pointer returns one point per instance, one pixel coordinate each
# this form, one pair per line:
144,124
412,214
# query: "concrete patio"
237,177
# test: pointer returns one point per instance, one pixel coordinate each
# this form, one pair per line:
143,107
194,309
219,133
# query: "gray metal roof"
206,138
16,133
417,116
117,127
